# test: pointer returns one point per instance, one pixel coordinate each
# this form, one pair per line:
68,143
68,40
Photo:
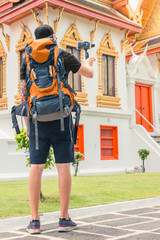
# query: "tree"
78,157
143,153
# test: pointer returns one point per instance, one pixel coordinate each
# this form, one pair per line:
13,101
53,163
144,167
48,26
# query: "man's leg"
34,187
64,175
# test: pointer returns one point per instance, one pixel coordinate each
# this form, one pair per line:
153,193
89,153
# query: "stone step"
156,138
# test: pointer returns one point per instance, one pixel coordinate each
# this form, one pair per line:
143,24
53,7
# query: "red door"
143,97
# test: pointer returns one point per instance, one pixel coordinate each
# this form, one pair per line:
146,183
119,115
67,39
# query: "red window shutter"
79,147
109,142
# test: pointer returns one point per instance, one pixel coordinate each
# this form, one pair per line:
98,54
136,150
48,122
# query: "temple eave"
25,9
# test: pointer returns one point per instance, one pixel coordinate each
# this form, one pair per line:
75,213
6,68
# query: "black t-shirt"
71,63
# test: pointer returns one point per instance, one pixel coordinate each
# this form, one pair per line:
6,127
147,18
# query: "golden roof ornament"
137,17
126,45
92,33
25,35
6,36
35,14
56,22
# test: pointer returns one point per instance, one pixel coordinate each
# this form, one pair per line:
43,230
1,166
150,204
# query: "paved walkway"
132,220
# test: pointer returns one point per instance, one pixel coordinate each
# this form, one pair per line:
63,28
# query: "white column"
131,98
156,110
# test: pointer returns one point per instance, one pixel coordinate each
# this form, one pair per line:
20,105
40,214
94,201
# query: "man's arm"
86,68
23,83
23,91
23,99
71,63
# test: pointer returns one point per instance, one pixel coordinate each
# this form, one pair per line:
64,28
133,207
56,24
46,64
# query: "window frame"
73,75
3,98
106,79
25,37
1,77
107,48
70,39
114,146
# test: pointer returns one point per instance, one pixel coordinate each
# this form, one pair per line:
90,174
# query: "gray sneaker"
34,227
66,225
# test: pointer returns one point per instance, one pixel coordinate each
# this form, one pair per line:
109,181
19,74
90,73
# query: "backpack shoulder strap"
60,51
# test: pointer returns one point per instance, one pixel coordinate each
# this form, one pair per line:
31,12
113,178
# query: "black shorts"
49,134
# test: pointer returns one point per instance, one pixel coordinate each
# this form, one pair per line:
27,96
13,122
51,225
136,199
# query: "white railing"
147,121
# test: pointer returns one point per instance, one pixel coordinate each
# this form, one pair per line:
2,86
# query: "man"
49,133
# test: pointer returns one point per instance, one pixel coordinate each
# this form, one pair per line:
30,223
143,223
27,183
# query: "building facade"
108,135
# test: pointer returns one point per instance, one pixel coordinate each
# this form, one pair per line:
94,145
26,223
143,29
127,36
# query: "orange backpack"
50,95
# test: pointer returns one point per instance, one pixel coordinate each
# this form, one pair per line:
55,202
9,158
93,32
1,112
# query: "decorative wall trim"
3,100
107,48
23,40
70,39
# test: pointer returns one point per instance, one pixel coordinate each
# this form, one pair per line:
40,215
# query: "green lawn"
86,191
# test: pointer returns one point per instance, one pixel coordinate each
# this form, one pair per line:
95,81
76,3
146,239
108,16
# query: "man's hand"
89,61
86,69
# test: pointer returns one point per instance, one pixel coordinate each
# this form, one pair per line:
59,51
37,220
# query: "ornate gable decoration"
24,38
107,46
139,62
71,37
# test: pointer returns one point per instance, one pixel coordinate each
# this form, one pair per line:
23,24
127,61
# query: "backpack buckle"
34,74
50,70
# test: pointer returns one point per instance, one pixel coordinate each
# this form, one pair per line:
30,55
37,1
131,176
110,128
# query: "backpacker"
50,95
49,90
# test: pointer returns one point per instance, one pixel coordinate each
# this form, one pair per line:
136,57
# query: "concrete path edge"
18,222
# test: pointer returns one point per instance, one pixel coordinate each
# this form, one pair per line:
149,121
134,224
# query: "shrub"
23,143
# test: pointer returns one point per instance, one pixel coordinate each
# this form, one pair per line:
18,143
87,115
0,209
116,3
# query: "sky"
133,4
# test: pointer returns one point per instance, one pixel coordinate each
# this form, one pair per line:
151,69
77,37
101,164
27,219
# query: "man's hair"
43,31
